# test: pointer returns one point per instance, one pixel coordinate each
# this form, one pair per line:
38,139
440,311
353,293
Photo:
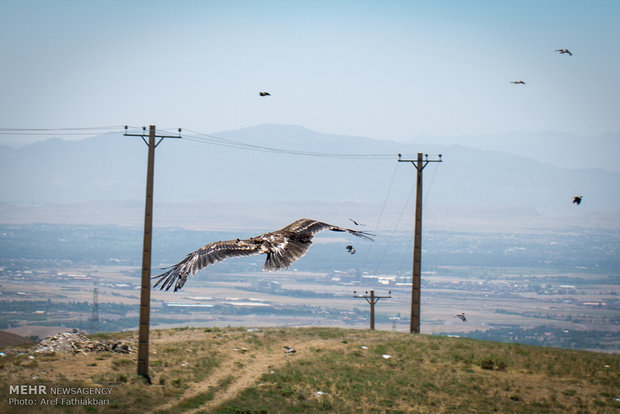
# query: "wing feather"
311,227
201,258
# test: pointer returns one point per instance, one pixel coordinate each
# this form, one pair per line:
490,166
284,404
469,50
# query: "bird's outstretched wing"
311,227
209,254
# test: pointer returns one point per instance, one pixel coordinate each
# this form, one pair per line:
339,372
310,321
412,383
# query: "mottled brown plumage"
282,247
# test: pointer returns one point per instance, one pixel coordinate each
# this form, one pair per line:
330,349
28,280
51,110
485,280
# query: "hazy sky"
381,69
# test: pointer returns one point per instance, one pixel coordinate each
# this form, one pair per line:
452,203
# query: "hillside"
7,338
239,370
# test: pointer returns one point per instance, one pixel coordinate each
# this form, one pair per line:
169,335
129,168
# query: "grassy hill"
7,338
237,370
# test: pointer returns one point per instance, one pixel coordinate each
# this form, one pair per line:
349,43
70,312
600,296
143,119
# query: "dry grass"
241,371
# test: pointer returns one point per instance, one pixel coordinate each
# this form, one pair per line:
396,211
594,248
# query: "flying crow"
356,223
577,200
562,51
264,94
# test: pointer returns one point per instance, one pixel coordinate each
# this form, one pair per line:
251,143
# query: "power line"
428,191
195,136
392,236
50,134
225,142
385,200
63,129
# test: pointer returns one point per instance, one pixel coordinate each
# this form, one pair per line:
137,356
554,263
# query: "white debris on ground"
78,343
386,356
319,393
364,347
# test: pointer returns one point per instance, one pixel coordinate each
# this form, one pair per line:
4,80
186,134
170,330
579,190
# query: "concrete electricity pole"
419,164
145,290
372,299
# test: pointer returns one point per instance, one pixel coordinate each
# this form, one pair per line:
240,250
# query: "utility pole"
372,299
94,319
419,164
145,290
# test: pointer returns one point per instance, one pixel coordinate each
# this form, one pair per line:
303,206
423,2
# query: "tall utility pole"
419,164
145,290
372,299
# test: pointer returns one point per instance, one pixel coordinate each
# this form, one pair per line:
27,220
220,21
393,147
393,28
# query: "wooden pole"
416,274
372,309
145,290
414,322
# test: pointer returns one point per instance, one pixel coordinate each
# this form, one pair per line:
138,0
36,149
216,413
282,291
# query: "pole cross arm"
144,134
369,298
420,162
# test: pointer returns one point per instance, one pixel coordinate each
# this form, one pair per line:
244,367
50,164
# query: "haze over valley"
502,241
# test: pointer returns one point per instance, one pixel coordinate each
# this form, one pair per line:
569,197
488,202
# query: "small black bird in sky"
282,248
563,51
519,82
577,200
356,223
351,249
461,316
264,94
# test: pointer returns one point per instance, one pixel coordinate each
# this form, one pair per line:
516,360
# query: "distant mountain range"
476,175
560,149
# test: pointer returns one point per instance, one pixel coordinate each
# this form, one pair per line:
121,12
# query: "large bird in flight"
562,51
282,248
519,82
